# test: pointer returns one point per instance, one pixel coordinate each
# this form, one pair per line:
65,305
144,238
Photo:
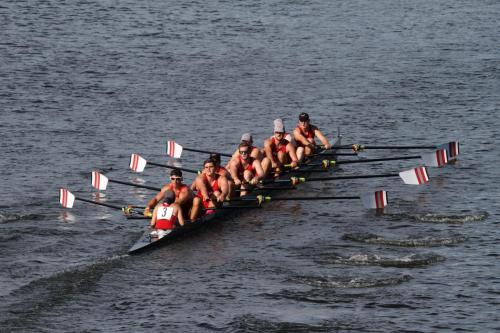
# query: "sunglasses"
243,152
176,179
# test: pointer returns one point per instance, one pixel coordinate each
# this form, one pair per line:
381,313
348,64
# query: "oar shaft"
313,198
135,185
173,167
206,151
386,147
370,160
312,179
99,203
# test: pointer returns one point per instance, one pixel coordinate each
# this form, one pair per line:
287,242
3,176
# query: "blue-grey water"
83,84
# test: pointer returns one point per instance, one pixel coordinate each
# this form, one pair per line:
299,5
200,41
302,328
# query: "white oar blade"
374,200
99,181
174,149
416,176
137,163
452,149
436,159
66,198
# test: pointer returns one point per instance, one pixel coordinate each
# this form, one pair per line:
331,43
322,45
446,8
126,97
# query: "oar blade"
415,176
174,149
452,149
66,198
374,200
137,163
99,181
436,159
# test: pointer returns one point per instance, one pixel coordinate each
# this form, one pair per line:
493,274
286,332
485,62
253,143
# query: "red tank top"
165,219
211,187
249,167
177,191
308,135
278,146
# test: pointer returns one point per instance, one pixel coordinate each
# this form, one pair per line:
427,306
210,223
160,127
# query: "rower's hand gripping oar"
175,150
415,176
138,163
437,159
67,199
370,200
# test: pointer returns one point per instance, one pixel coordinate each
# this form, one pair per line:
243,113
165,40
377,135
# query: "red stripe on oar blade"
454,148
421,174
379,199
133,164
441,157
95,179
64,198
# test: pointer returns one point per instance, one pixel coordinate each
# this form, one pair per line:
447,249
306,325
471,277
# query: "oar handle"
174,167
206,152
135,185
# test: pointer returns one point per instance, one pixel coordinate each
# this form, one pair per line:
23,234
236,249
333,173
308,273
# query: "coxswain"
279,150
184,196
305,134
245,170
212,188
167,215
255,152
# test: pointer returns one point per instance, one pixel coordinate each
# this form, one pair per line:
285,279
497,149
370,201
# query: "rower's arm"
224,186
185,195
269,151
178,212
202,187
300,138
153,202
153,219
322,138
259,171
233,169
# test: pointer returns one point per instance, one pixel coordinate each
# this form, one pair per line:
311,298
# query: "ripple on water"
440,218
408,242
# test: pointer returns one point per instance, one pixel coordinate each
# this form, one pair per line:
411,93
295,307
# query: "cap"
278,126
247,137
169,197
176,172
303,116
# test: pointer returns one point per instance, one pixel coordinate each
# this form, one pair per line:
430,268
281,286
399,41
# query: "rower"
184,196
245,170
212,188
305,134
166,215
215,157
255,152
279,150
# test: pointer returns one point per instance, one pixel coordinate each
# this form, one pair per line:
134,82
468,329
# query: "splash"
409,242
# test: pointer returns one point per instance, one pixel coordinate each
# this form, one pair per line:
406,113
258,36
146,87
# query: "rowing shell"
148,241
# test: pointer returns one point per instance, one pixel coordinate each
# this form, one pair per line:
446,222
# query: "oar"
138,163
437,159
452,147
175,150
67,199
415,176
371,200
142,217
100,182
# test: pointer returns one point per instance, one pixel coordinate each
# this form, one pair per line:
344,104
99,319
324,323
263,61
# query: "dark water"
83,84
